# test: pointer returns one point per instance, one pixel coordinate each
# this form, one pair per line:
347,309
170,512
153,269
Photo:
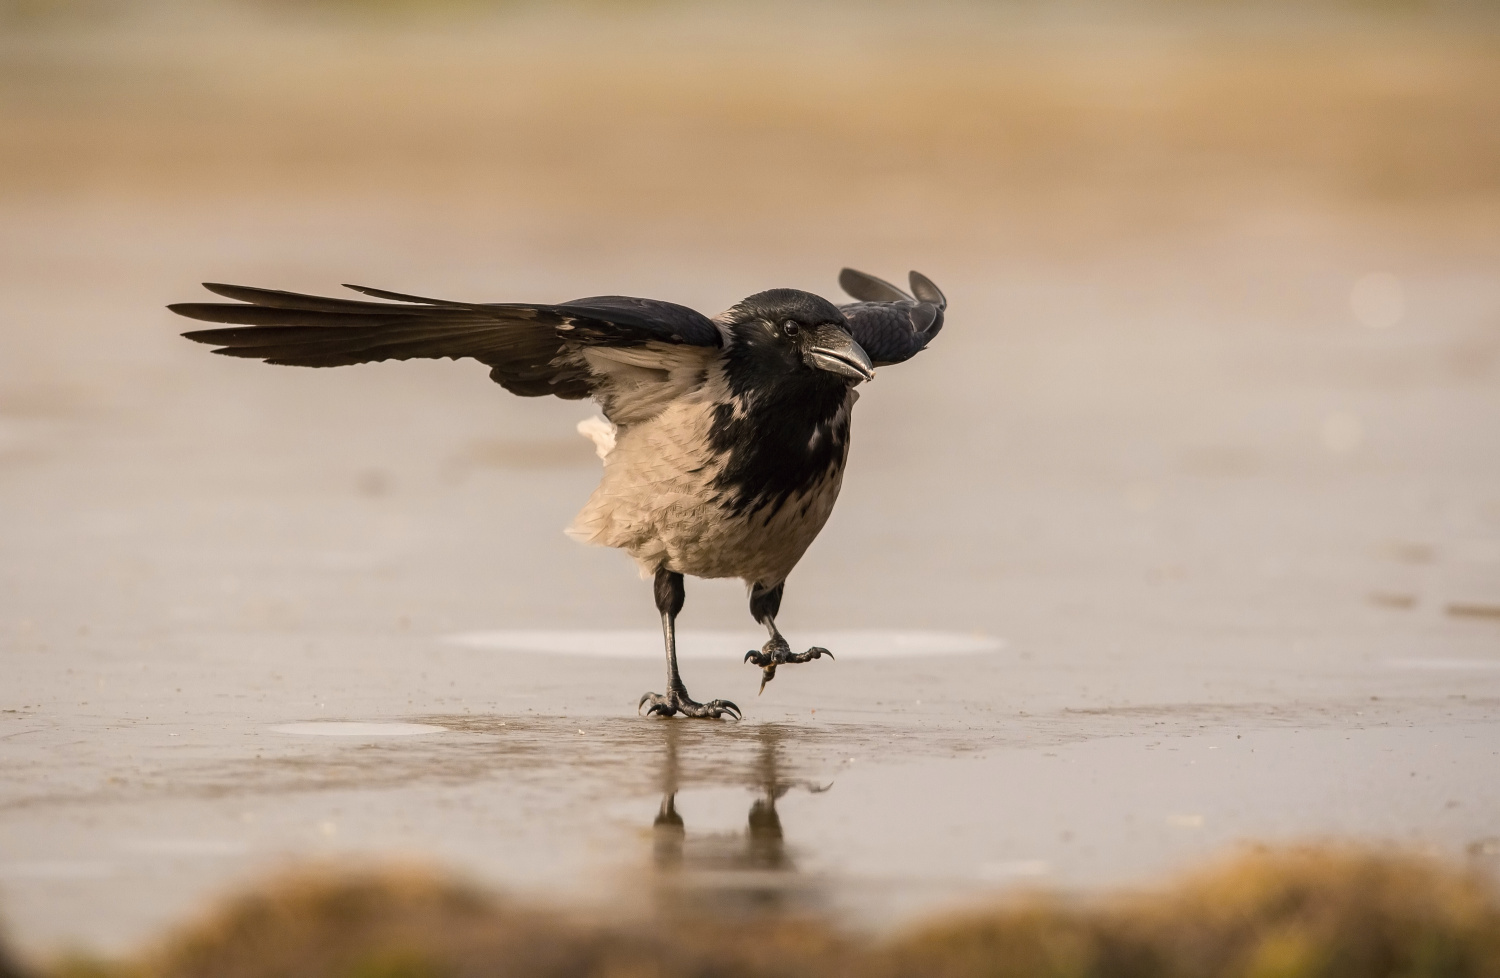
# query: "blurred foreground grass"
1290,913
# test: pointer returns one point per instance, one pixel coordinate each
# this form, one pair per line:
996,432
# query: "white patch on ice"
692,644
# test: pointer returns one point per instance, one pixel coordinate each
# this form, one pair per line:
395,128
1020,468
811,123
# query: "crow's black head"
790,363
785,336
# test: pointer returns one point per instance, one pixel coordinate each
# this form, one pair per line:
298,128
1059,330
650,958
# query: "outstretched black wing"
532,350
891,325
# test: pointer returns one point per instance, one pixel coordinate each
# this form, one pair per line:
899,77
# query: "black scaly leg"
669,597
765,602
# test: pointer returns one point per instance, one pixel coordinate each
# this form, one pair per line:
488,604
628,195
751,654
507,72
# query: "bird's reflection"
730,871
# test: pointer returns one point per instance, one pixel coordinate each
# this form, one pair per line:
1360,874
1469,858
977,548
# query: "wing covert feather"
891,325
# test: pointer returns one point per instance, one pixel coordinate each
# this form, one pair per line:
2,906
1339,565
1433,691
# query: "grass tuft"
1292,913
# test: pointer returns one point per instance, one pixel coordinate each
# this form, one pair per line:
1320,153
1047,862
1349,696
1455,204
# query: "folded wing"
532,350
889,323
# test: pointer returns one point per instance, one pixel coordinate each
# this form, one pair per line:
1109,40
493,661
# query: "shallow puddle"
350,728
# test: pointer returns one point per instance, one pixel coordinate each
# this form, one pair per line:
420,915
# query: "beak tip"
839,352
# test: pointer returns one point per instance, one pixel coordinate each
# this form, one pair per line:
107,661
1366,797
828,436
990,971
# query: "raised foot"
775,653
679,703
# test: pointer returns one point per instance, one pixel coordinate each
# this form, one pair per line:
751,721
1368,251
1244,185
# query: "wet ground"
1168,543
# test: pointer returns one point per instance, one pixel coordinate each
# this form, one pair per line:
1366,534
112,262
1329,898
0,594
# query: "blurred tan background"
991,129
1210,438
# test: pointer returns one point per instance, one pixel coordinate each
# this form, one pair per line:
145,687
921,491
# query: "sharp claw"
658,706
809,655
664,706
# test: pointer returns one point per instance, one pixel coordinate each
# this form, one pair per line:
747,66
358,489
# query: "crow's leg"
669,597
765,602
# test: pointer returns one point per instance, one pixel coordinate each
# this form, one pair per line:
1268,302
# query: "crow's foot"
678,702
776,652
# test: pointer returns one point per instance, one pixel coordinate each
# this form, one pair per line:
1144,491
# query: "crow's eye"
790,328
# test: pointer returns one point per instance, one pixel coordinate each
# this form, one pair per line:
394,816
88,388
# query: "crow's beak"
834,350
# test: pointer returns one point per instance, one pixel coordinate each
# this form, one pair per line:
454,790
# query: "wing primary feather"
922,288
867,288
496,310
400,296
256,315
277,299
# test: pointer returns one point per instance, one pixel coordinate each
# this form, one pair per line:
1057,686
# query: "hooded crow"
723,439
